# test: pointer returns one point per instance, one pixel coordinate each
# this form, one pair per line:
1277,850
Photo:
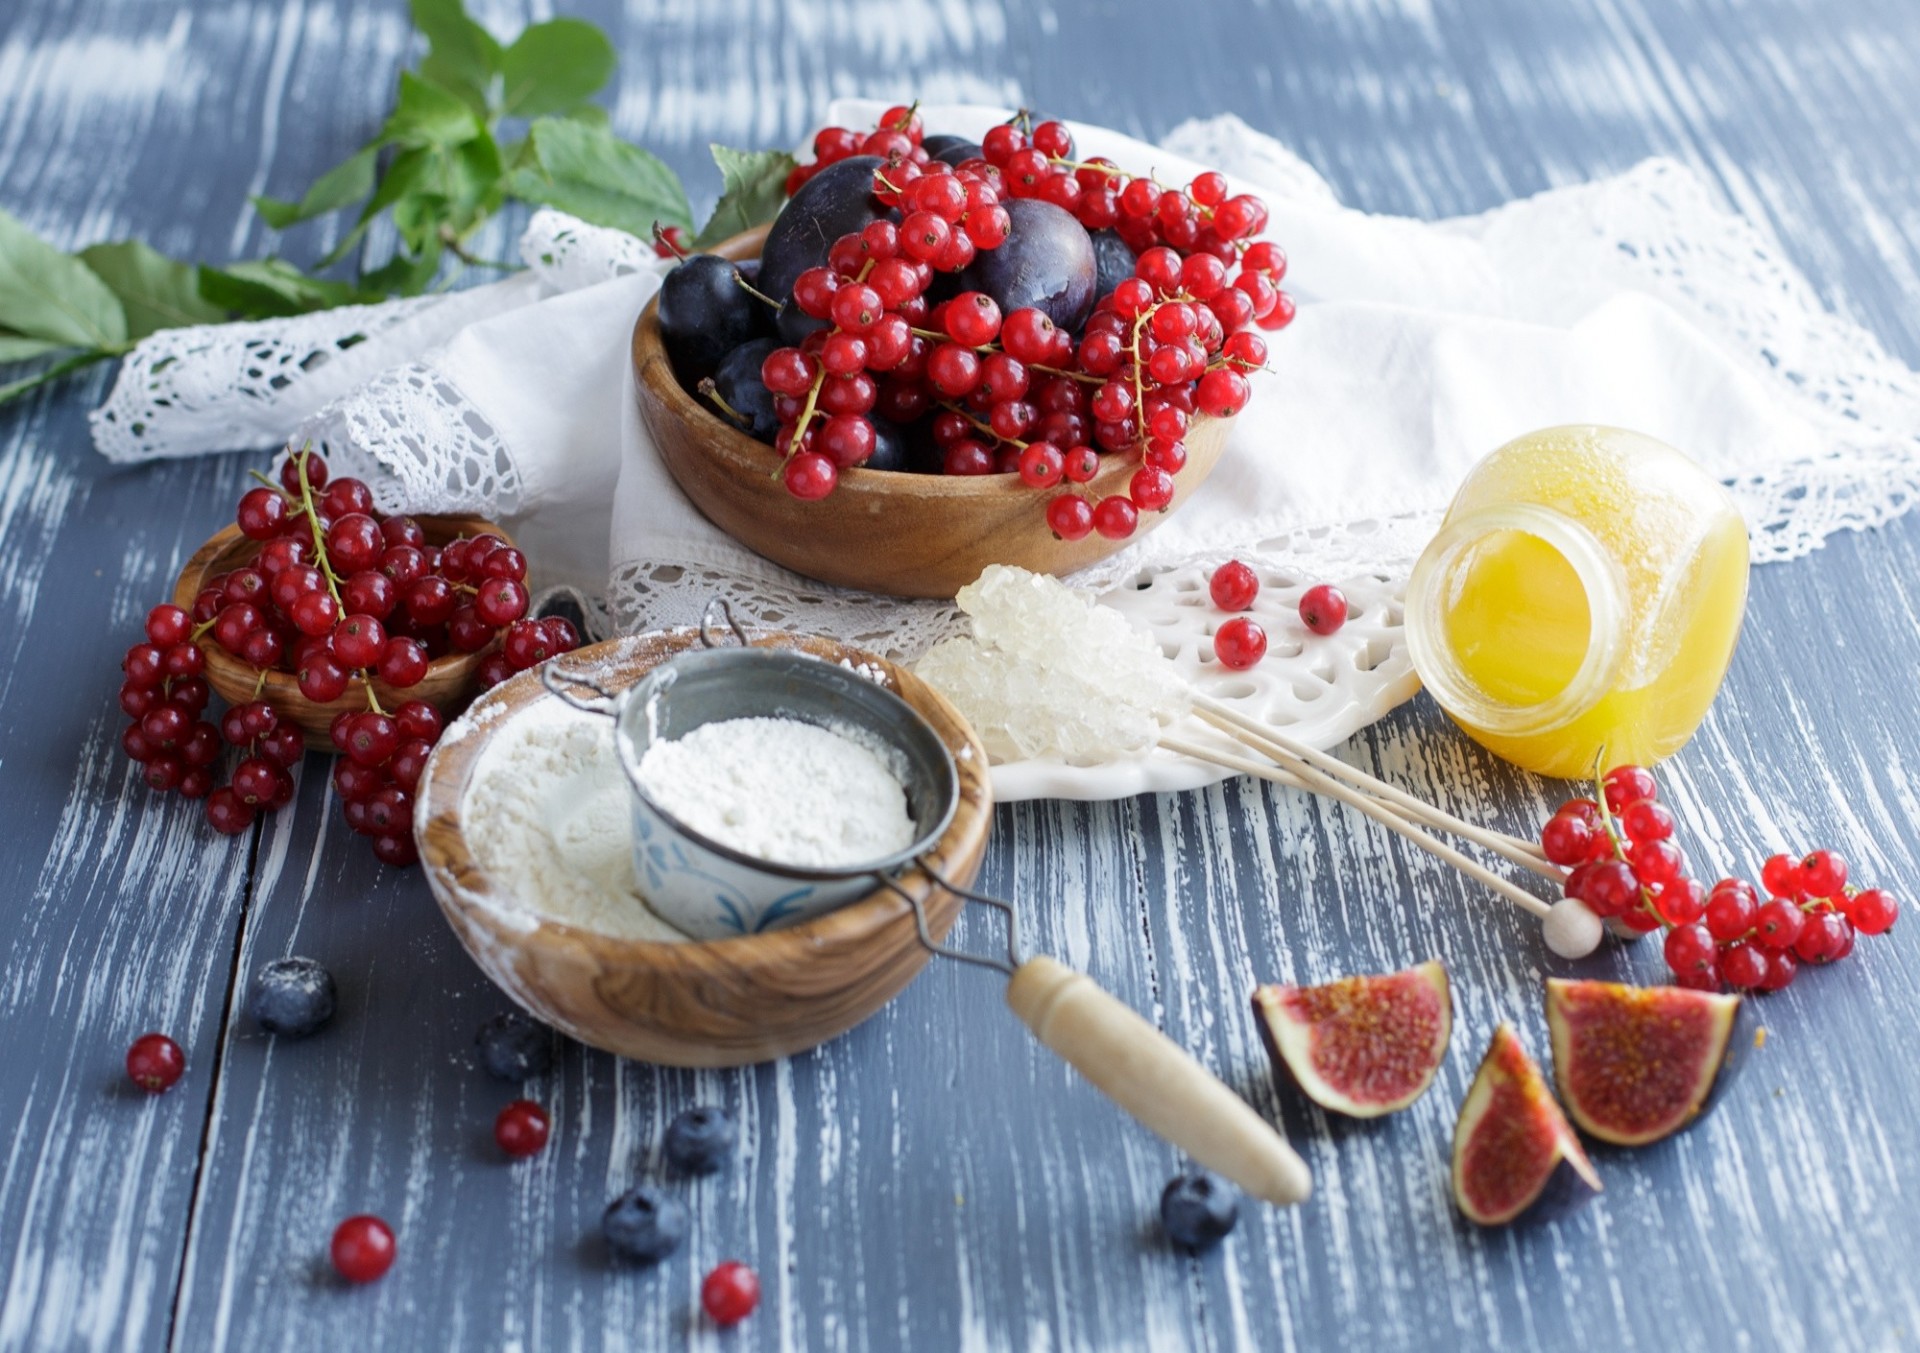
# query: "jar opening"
1515,619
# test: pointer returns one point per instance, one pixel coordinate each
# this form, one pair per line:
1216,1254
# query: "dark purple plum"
1047,262
834,202
1113,262
889,446
705,313
737,382
952,149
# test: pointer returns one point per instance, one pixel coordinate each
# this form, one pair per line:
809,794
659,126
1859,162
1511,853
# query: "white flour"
781,790
547,819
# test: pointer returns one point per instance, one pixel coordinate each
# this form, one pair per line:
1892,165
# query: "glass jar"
1581,601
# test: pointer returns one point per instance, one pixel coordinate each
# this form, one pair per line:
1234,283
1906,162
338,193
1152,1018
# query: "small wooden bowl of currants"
284,622
943,355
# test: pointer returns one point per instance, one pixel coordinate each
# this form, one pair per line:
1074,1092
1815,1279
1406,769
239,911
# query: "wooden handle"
1154,1079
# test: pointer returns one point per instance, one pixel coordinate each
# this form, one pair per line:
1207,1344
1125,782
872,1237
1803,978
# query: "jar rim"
1600,577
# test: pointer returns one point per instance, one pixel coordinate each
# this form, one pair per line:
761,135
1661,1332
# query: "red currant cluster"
334,594
1625,866
1239,643
1015,393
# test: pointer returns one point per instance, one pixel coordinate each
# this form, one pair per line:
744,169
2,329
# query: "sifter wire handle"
1154,1079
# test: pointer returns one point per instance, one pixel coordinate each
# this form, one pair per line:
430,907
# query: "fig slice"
1514,1153
1361,1046
1636,1064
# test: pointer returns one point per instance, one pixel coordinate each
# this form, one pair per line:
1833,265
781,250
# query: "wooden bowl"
726,1002
907,535
448,684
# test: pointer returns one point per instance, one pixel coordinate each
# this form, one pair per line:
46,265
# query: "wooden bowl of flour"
726,1002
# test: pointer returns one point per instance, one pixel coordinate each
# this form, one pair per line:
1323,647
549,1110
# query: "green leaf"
47,294
554,65
427,115
403,274
462,57
341,186
272,288
403,176
754,184
156,292
20,348
592,174
53,373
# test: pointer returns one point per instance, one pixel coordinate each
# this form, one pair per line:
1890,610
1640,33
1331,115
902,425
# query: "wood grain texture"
448,685
729,1002
933,1179
906,535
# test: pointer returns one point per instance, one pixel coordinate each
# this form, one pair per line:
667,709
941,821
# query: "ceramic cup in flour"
712,890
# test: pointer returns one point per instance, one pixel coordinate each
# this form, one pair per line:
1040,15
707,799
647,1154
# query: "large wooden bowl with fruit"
980,377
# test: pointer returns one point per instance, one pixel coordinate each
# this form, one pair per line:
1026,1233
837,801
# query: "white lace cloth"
1419,346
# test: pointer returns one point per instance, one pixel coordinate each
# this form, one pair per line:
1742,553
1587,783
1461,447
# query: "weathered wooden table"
933,1180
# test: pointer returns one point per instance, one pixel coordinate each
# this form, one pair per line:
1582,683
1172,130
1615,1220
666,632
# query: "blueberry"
514,1047
1197,1209
700,1139
292,997
644,1224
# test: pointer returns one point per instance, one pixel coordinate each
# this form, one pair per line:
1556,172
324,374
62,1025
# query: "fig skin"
1293,1064
834,202
1730,1019
1570,1183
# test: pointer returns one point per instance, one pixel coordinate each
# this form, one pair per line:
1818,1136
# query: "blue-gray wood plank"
932,1180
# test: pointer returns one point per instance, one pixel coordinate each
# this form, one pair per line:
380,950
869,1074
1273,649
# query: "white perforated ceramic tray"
1322,688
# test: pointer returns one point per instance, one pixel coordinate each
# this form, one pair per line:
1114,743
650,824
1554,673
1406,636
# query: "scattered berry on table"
292,997
1623,865
514,1047
644,1224
362,1249
1233,586
699,1140
155,1062
730,1293
521,1128
1239,643
1323,608
1198,1209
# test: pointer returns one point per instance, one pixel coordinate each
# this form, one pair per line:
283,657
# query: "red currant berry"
322,679
285,745
1565,840
500,601
155,1063
1239,643
1827,938
1778,924
809,475
1151,489
522,1128
1116,517
729,1293
1611,889
398,851
167,626
407,762
1233,586
1691,951
1222,393
1323,608
346,498
226,813
1657,862
309,466
1873,911
1782,968
358,640
1682,902
404,662
788,371
1731,908
315,614
1646,821
1070,516
1744,966
362,1249
1628,784
1042,466
354,541
973,319
1823,874
1082,464
430,601
1780,876
467,631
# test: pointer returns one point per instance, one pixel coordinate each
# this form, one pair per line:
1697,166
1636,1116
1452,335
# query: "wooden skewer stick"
1288,750
1305,777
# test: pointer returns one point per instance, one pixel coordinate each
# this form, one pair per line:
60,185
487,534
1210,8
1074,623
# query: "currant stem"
756,293
313,521
984,427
